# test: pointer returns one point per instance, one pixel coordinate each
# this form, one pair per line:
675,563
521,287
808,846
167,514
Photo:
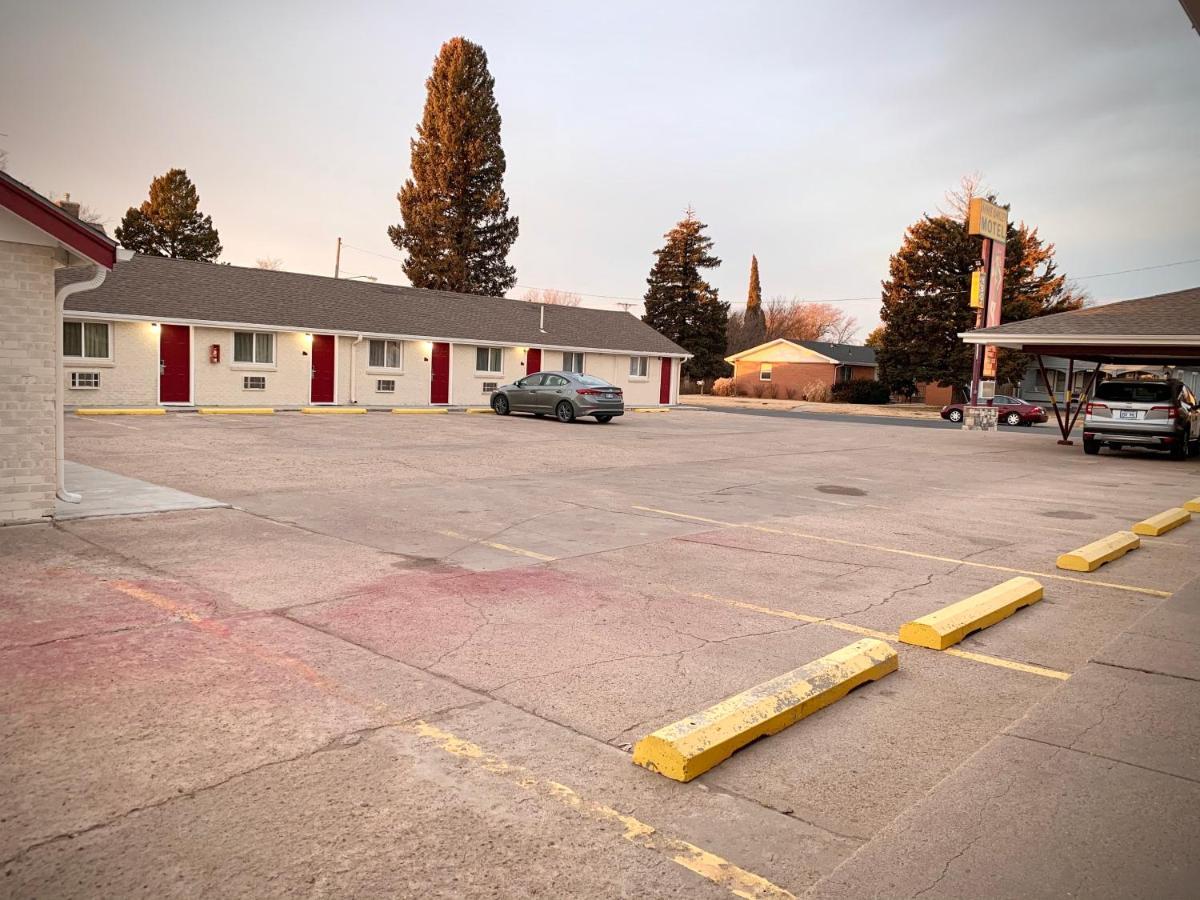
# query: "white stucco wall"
466,385
128,378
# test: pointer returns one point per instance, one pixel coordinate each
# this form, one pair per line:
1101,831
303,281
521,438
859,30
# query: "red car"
1013,411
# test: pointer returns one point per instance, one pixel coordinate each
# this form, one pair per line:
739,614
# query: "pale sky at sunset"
808,133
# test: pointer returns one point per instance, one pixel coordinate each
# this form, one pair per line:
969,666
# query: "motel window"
86,340
638,366
385,385
257,347
764,372
85,380
572,362
489,359
254,383
386,355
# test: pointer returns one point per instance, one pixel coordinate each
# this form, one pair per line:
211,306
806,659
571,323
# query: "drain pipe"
354,368
60,485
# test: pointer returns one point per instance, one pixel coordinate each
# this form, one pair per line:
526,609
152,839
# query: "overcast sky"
808,133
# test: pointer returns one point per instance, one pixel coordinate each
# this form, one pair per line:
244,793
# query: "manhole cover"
841,489
1066,514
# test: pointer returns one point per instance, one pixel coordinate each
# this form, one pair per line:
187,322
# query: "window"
255,347
531,381
386,355
554,381
85,380
489,359
254,383
86,340
637,366
385,385
489,387
764,372
593,381
1134,392
572,362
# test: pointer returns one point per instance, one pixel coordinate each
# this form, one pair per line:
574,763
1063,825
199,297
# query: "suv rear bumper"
1142,438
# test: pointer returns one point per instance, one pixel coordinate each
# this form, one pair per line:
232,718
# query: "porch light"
154,325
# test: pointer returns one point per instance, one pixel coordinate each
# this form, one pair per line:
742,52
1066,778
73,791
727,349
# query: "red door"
174,364
664,385
533,361
324,348
439,374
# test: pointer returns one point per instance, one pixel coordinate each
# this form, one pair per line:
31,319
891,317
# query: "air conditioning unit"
489,387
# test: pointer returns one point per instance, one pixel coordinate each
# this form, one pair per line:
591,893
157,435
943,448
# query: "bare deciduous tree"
271,263
958,202
802,321
552,297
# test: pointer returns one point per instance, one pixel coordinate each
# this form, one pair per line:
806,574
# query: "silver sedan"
564,395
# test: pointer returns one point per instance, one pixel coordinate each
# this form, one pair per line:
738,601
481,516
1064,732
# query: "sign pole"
977,365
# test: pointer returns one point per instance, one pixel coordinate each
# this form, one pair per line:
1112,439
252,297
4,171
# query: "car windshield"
592,380
1134,391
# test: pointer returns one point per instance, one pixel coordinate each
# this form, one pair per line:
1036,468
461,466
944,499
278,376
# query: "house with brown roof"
792,366
168,332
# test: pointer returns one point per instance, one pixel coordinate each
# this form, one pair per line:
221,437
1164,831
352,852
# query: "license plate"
1127,414
610,396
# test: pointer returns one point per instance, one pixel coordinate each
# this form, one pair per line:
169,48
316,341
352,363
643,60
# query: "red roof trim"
41,213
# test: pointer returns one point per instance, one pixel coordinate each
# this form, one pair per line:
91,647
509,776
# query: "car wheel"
1012,419
565,412
603,419
1091,448
500,405
955,415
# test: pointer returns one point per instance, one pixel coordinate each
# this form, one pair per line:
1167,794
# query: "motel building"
175,333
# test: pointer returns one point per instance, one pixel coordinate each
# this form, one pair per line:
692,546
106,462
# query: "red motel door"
323,351
533,361
439,374
664,385
174,364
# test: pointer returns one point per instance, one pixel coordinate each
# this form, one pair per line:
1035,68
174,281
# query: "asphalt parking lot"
414,654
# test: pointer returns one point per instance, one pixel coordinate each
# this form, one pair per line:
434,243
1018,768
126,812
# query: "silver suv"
1160,415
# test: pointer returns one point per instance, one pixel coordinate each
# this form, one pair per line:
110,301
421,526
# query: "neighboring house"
36,237
167,332
794,365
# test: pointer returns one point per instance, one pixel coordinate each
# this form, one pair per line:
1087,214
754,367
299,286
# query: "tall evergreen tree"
457,230
926,301
682,305
170,222
754,322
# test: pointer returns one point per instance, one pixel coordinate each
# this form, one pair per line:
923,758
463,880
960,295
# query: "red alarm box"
214,353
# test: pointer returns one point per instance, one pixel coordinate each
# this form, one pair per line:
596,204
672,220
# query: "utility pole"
337,260
625,307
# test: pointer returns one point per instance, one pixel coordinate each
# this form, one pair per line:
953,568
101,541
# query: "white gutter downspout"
60,484
354,370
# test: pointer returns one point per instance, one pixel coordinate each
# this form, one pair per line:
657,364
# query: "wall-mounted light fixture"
154,325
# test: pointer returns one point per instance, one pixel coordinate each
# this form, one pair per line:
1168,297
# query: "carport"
1162,330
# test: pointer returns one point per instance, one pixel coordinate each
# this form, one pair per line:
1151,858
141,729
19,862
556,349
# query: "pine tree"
457,231
170,223
682,305
754,322
926,301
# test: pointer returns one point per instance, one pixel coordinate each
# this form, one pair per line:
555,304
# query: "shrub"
861,390
816,392
770,391
757,389
791,392
723,387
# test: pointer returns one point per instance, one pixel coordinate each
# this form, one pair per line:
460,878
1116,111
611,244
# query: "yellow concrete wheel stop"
692,746
948,626
1097,553
1163,522
481,411
1192,505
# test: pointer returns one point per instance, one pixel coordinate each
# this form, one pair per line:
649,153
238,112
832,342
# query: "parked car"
1162,415
564,395
1013,411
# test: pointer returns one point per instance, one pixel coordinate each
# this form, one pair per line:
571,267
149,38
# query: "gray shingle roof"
1177,313
847,354
173,289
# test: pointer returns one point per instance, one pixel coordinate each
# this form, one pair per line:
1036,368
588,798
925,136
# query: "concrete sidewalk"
1095,792
109,494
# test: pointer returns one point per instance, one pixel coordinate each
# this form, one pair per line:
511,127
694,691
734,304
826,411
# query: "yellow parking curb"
235,411
948,626
334,411
480,411
651,409
692,746
1097,553
420,411
120,412
1163,522
1192,505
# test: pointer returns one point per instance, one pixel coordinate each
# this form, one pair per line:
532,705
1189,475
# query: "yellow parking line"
1152,592
882,635
495,546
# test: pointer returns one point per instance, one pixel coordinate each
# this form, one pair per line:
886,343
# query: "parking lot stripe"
1134,589
519,551
984,658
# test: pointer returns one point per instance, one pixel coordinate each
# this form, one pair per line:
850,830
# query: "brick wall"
27,476
791,375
